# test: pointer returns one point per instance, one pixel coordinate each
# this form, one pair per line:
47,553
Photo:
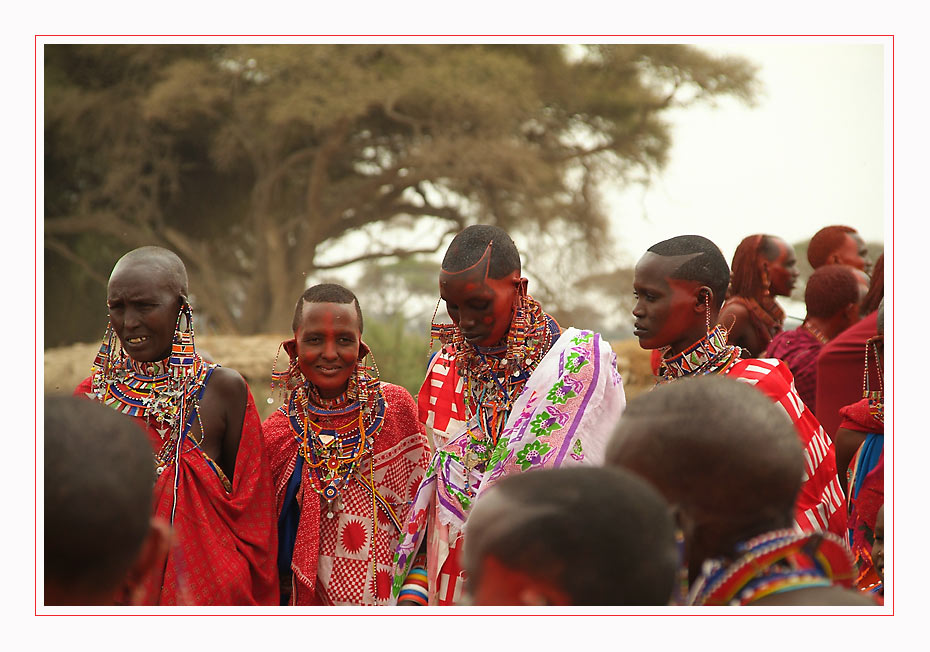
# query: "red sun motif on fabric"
384,585
353,536
383,519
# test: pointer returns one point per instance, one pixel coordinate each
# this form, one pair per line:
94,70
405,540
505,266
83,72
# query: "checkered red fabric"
332,556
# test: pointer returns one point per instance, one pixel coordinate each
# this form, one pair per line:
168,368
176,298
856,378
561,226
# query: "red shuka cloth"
225,544
332,558
820,505
799,349
840,366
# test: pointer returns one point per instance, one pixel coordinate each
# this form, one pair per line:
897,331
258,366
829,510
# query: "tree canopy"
255,163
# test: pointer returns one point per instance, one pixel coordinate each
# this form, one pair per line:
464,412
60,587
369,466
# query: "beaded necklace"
495,376
709,355
333,453
776,561
816,332
147,391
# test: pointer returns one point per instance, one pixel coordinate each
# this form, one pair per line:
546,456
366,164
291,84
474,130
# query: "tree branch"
63,250
97,222
402,253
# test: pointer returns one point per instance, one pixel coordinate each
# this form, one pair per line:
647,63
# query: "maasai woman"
508,392
347,455
764,267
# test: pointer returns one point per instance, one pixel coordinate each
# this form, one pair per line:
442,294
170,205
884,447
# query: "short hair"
602,536
876,288
825,242
830,289
745,279
469,246
326,293
160,258
99,476
708,267
714,445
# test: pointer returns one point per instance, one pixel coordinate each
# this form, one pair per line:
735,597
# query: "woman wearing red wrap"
213,484
347,455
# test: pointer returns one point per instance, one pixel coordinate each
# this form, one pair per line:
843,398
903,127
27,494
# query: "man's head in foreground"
100,537
570,536
720,452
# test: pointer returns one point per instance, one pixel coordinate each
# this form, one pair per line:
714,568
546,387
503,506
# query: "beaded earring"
766,283
876,398
516,335
107,358
290,379
707,311
181,360
365,381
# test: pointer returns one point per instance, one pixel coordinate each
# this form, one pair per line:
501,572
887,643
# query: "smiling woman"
346,456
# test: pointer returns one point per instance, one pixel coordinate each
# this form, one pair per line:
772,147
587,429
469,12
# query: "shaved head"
599,536
716,447
99,476
163,263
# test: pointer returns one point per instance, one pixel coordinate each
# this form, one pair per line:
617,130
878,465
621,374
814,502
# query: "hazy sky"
809,154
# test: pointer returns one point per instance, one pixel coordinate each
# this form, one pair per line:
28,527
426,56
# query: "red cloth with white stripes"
225,544
821,505
332,556
441,406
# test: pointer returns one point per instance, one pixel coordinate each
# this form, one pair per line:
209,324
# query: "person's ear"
703,297
291,347
152,555
522,283
363,349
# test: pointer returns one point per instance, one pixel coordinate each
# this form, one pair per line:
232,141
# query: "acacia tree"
254,162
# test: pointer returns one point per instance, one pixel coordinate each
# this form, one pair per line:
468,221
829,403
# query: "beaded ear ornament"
876,397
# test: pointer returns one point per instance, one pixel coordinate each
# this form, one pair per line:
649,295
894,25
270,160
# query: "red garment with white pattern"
332,556
821,505
225,544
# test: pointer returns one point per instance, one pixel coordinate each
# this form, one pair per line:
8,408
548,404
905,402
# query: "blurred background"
271,167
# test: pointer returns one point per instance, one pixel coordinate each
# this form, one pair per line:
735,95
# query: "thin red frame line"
484,35
35,265
892,307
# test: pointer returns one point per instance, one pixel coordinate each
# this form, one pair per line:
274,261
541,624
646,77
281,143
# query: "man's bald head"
162,262
597,536
719,449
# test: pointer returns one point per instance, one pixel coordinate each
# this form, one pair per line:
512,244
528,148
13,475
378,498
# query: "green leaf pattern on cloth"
532,454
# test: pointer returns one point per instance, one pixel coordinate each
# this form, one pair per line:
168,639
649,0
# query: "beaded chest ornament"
333,453
164,392
776,561
495,376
